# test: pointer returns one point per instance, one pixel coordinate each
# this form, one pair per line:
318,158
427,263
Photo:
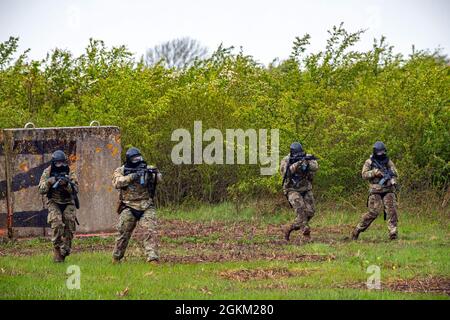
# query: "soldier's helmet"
296,149
133,156
379,150
59,158
59,162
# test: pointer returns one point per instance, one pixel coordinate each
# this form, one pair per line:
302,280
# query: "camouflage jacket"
62,194
304,182
369,173
132,193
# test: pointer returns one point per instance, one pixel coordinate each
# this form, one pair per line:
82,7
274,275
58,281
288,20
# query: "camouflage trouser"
378,204
127,223
303,204
62,225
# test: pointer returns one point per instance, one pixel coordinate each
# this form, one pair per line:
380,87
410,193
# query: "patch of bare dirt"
430,284
205,241
242,253
243,275
179,228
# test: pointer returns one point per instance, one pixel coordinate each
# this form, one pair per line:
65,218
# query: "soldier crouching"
136,182
60,185
381,173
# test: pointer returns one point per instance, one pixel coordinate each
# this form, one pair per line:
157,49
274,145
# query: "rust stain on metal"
115,151
9,195
93,152
24,166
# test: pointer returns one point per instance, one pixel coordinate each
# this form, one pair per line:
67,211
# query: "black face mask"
294,157
134,164
383,158
58,170
130,164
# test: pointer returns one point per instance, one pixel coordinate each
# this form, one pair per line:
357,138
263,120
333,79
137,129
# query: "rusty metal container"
94,153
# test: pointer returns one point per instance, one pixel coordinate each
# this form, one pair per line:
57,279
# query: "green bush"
337,102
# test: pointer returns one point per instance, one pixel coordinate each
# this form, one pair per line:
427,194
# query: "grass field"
215,253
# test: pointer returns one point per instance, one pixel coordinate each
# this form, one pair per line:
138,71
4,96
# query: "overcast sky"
265,29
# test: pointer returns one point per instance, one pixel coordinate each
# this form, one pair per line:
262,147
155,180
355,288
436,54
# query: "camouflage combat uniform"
61,211
381,198
137,205
300,195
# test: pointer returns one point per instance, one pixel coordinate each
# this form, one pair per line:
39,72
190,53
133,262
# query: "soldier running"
136,182
381,173
298,170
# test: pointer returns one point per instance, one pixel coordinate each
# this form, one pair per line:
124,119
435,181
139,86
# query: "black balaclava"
57,157
380,152
296,150
131,156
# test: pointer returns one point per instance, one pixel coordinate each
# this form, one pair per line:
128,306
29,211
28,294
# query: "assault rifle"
295,159
64,177
144,173
388,174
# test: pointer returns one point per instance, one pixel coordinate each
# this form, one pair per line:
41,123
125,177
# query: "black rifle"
293,160
144,173
63,176
388,174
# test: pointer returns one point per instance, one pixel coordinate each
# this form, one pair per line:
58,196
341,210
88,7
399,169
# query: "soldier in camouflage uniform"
298,170
381,173
61,208
136,204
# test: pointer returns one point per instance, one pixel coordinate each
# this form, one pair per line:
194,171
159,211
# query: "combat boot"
153,260
115,260
355,234
307,234
287,233
64,254
57,256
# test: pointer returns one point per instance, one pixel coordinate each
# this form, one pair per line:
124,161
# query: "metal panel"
3,203
94,152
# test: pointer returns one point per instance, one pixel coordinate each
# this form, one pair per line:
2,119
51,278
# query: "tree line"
337,102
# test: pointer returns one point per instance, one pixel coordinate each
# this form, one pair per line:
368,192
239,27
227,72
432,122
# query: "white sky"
265,29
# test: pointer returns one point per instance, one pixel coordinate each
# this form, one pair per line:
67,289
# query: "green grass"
26,270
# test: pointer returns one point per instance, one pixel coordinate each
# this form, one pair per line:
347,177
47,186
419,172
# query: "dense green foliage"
337,102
